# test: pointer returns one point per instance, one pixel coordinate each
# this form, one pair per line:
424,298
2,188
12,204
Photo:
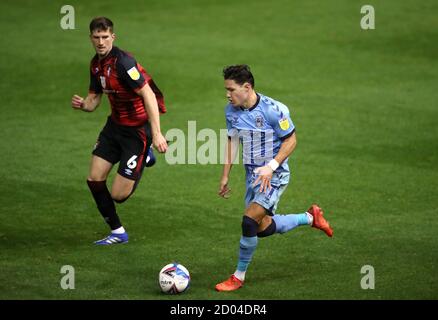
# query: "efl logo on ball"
174,278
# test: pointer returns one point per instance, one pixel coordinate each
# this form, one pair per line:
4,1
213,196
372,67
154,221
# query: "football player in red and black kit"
132,127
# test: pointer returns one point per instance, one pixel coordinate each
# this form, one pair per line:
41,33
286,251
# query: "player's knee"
94,179
267,227
249,227
97,176
120,197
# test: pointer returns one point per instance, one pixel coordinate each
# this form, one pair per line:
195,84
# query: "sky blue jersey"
261,130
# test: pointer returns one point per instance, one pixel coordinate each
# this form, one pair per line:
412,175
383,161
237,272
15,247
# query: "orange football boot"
231,284
318,220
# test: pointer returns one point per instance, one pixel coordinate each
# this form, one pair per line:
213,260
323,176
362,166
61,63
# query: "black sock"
105,203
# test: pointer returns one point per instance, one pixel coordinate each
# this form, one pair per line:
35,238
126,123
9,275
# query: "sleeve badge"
134,74
284,124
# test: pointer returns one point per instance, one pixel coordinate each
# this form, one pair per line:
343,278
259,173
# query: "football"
174,278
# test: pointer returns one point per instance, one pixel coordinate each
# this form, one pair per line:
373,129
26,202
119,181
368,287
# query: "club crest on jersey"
259,121
284,124
103,82
134,74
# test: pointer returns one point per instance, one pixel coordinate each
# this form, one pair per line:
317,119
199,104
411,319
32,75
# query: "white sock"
118,230
310,217
240,275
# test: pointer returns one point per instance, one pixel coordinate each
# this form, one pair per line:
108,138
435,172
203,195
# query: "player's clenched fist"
77,102
160,143
224,190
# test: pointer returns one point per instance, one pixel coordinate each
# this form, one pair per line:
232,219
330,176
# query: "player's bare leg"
255,212
122,188
99,169
264,224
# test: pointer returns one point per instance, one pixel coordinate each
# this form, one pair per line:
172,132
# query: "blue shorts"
269,199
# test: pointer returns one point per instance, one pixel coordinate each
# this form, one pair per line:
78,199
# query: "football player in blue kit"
267,134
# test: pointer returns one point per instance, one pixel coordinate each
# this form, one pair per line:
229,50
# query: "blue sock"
246,251
288,222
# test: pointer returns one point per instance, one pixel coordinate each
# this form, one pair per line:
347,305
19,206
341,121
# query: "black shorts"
124,144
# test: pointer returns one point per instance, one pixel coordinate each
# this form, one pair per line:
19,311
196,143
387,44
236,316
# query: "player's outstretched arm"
89,104
151,105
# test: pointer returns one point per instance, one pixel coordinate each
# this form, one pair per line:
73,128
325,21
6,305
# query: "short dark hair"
240,73
101,23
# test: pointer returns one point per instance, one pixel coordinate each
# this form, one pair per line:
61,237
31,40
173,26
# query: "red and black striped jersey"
120,76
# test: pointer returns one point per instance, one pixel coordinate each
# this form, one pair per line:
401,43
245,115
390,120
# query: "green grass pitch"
365,104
